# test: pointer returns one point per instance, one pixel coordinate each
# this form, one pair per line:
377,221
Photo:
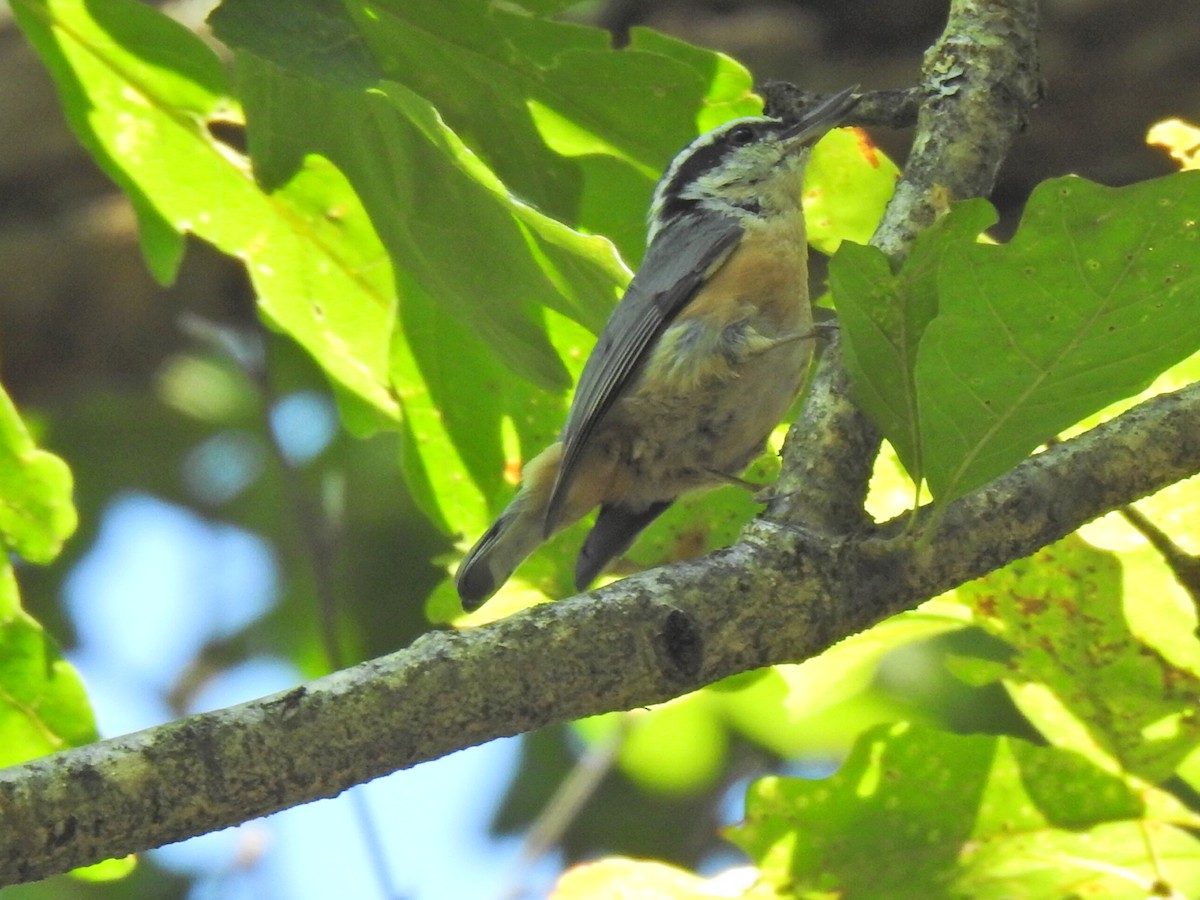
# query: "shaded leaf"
521,91
973,354
883,317
1094,296
478,343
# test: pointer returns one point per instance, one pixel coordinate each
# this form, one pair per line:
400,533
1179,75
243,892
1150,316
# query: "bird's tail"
518,531
521,529
494,557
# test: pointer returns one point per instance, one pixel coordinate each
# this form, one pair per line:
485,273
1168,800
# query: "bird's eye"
742,135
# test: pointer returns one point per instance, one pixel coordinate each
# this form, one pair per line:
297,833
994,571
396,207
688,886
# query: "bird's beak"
819,119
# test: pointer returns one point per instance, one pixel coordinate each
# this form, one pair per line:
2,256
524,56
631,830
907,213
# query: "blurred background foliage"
166,397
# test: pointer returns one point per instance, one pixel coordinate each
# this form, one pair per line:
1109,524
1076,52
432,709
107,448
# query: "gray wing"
675,267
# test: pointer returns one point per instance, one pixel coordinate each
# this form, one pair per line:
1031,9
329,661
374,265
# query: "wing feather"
676,265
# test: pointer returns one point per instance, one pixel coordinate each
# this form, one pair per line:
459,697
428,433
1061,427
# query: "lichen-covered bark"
979,83
782,594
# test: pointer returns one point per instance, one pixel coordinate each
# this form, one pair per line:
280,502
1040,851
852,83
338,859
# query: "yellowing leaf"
1181,139
618,878
848,184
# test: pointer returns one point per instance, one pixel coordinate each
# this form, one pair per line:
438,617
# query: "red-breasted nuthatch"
699,361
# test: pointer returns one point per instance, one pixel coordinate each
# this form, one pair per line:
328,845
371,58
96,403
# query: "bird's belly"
669,436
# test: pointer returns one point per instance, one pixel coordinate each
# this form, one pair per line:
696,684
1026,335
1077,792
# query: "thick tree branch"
781,595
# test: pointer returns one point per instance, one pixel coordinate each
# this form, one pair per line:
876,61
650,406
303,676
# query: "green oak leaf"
1080,674
1093,297
883,317
914,814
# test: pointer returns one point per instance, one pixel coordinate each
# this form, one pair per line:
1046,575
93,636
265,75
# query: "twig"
1184,566
567,803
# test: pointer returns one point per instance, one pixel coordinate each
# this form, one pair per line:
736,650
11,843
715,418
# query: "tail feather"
521,529
615,530
475,579
513,536
497,554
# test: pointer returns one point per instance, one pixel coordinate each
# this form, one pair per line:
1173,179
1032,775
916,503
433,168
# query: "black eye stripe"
702,160
707,158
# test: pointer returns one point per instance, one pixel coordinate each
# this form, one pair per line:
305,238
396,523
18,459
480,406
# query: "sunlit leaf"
849,183
1079,673
142,92
1180,138
919,814
108,870
36,510
635,879
43,705
650,751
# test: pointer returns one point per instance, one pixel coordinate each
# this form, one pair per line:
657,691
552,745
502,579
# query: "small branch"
566,804
979,85
888,109
315,532
1184,566
318,539
827,458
